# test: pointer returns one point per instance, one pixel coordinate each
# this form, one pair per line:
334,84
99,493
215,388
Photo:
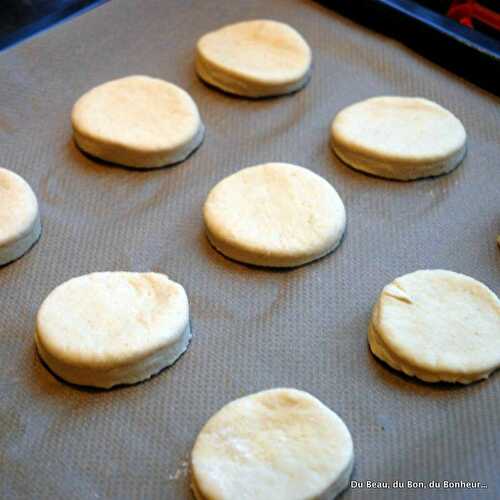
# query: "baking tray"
467,52
21,20
253,328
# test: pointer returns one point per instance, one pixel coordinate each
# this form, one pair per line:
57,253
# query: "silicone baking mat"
253,328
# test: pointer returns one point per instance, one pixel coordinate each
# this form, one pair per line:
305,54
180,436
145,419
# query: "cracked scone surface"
282,444
137,121
438,326
111,328
275,214
257,58
401,138
20,225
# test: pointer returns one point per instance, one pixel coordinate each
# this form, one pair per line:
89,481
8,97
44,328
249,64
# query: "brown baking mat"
253,329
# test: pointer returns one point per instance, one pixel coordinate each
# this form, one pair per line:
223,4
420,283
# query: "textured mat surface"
253,329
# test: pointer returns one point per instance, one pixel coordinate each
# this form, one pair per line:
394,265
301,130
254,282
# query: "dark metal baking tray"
252,328
469,53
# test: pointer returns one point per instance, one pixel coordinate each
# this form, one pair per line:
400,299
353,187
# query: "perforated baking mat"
253,328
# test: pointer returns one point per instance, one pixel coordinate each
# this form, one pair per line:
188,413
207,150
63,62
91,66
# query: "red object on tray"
466,11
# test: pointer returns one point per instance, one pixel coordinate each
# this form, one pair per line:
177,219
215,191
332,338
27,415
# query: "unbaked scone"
137,121
111,328
258,58
402,138
280,444
20,226
438,326
276,215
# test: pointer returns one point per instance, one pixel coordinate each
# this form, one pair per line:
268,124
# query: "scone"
401,138
276,215
280,444
137,121
258,58
20,226
111,328
438,326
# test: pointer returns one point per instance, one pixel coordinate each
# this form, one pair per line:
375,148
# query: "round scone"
137,121
438,326
280,444
111,328
400,138
276,215
254,58
20,226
